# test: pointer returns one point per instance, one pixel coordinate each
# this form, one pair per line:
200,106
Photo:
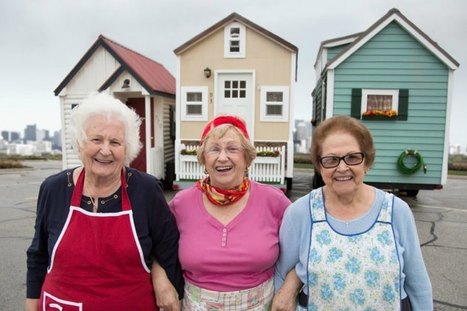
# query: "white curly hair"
103,104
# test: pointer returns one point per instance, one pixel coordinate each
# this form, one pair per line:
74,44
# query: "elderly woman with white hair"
100,226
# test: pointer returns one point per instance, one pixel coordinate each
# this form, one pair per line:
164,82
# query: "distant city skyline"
57,128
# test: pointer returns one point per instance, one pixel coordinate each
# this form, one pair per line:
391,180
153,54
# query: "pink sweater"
239,255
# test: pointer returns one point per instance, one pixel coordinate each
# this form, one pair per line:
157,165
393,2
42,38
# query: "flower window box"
273,160
380,115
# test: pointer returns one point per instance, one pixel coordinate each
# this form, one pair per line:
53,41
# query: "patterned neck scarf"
223,197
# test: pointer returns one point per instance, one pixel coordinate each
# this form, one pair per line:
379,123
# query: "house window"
378,104
274,103
234,40
194,103
235,89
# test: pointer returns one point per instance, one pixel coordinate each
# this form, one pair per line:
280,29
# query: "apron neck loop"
78,191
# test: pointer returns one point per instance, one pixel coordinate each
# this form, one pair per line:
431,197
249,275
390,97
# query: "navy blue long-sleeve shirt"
155,225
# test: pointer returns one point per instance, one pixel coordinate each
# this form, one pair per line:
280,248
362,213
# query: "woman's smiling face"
225,160
343,179
103,152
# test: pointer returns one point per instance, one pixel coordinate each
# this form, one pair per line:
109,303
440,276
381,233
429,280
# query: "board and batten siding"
393,59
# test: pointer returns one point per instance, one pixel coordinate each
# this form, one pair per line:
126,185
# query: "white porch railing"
269,169
263,169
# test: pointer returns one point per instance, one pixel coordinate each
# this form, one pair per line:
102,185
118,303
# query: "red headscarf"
225,119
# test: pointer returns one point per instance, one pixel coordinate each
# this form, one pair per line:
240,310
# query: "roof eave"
78,66
227,20
394,15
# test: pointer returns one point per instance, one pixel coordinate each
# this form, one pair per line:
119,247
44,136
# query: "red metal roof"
153,76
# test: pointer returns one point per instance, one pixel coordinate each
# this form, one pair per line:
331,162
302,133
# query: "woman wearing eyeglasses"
229,225
348,245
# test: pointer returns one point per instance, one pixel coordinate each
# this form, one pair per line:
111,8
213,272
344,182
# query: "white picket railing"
269,169
263,169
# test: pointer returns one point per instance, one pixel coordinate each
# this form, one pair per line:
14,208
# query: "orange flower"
386,113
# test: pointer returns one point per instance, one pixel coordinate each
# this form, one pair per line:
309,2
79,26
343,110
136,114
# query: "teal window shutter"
356,103
403,109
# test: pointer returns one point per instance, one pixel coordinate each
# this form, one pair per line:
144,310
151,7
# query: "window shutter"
356,103
403,110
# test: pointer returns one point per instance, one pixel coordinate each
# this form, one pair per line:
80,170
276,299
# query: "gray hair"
102,104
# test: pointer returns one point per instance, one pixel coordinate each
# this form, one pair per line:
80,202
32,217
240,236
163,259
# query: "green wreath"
406,170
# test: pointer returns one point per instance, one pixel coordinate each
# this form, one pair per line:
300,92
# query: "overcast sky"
42,40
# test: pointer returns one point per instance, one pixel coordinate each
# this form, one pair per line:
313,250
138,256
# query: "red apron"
97,262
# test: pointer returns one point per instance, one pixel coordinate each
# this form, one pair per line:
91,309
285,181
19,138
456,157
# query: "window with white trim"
380,102
274,103
234,40
194,102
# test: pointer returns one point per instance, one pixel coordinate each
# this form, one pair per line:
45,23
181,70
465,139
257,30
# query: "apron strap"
78,191
126,205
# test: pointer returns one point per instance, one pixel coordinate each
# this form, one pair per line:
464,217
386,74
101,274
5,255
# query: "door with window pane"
235,96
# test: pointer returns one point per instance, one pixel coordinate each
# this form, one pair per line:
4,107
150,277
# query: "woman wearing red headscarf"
228,225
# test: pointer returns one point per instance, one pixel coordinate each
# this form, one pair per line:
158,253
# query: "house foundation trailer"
398,82
143,84
237,67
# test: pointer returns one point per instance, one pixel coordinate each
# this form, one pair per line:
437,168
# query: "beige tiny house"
141,83
237,67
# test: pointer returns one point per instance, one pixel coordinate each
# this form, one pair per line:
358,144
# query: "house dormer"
234,40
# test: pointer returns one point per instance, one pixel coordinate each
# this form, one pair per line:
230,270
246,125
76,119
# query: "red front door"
138,105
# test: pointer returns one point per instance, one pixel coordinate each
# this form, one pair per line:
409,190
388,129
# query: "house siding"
393,59
270,62
333,51
169,147
72,158
318,108
94,73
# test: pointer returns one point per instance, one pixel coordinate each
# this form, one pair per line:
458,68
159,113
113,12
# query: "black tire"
412,192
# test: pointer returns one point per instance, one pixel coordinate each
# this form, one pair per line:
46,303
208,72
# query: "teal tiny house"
398,82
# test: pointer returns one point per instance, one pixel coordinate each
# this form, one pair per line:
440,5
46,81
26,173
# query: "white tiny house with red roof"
142,83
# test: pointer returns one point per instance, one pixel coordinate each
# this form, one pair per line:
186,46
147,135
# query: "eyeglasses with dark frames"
350,159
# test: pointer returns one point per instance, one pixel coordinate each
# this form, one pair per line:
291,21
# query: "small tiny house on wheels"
142,84
237,67
398,82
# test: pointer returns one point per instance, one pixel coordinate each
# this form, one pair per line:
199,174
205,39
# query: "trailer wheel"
412,192
288,182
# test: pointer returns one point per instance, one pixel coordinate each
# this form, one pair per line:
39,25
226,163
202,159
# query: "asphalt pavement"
441,218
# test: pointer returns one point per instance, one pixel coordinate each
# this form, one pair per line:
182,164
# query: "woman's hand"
166,294
31,304
285,298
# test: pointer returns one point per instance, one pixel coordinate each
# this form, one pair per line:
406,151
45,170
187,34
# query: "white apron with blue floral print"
353,272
